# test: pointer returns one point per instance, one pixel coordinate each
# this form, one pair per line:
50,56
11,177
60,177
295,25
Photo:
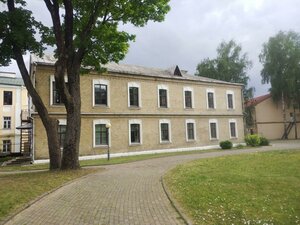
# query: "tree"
85,34
231,65
280,58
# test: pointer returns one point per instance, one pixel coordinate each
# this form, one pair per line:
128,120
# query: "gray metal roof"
140,71
11,81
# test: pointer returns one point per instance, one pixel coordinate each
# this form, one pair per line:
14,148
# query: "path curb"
174,203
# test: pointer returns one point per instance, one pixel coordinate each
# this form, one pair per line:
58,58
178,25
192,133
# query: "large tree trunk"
284,115
70,159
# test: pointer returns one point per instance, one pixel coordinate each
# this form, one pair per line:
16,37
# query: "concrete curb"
27,205
175,204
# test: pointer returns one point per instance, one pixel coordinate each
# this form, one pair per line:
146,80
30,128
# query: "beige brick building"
148,109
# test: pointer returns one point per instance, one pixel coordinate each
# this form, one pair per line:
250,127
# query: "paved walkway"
123,194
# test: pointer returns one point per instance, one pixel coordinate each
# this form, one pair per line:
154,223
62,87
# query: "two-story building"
147,108
13,101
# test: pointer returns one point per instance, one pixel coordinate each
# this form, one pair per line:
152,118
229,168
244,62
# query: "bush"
226,144
252,140
264,141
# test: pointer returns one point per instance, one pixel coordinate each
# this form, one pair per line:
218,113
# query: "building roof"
257,100
11,81
171,73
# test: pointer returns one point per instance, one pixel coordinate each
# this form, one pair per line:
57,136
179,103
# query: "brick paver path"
123,194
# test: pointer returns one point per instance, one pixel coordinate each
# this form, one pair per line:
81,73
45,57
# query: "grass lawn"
258,188
99,162
18,189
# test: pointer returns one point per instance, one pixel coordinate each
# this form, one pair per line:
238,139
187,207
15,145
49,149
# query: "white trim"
144,152
170,129
217,128
96,122
236,131
51,89
191,90
186,129
233,100
100,81
163,87
211,90
135,121
137,85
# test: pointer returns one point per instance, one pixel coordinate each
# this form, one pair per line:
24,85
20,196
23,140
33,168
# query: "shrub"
240,146
252,140
226,144
264,141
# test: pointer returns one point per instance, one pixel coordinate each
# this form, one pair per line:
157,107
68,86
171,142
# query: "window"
190,130
6,146
163,100
135,132
188,97
6,122
62,134
101,133
134,95
165,131
232,128
7,98
210,98
213,127
163,96
101,93
230,99
55,97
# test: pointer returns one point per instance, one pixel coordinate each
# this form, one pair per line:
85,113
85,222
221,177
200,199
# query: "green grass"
258,188
19,189
101,162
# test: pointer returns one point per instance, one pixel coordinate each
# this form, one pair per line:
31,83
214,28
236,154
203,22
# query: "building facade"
148,109
268,121
13,102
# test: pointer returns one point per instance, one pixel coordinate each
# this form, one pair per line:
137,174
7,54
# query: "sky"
193,29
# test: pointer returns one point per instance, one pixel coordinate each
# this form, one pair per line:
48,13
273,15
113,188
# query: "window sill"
211,109
101,146
191,140
134,107
163,108
134,144
230,109
214,139
191,109
165,142
233,138
101,106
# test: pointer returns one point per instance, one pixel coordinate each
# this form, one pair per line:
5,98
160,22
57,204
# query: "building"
268,119
148,109
14,104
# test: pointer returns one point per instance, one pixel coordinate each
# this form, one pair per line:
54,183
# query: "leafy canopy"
103,44
280,58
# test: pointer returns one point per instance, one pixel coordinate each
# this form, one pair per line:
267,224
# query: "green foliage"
263,141
257,188
252,140
230,65
280,58
226,144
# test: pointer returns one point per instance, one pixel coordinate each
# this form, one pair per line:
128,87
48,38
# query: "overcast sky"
193,29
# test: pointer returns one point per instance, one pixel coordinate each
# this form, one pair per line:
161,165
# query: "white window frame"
170,131
137,85
211,90
228,92
186,129
6,122
236,130
52,79
105,82
97,122
163,87
135,121
217,129
193,102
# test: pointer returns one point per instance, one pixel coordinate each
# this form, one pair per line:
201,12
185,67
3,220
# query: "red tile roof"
257,100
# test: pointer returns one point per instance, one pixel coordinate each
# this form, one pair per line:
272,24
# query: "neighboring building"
148,109
13,102
268,118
